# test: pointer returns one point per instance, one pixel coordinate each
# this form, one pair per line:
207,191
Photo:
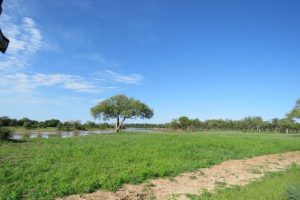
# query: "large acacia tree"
121,107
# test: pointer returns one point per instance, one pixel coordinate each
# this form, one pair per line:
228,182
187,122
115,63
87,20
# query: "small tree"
195,124
257,122
51,123
121,107
184,122
285,125
174,124
28,125
4,133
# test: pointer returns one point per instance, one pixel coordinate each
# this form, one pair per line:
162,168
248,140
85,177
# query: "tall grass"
55,167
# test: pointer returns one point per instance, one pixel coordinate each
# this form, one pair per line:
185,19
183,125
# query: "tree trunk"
117,124
120,125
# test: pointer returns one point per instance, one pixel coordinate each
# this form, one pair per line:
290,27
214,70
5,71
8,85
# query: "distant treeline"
255,124
247,124
68,125
52,123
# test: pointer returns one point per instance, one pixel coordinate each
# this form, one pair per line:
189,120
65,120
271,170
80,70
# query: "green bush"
292,192
28,125
4,133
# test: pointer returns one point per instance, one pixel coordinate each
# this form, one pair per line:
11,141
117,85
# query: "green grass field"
55,167
275,186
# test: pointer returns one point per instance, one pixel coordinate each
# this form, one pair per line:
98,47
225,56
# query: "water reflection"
16,136
44,134
140,130
33,135
68,134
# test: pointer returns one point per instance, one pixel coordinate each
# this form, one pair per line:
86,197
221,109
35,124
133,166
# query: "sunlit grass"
55,167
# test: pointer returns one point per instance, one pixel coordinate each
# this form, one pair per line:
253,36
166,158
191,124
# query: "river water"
67,134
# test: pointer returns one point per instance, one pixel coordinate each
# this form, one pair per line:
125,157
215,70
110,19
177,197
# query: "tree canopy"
121,107
295,113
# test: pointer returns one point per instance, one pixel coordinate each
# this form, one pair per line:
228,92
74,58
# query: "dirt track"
233,172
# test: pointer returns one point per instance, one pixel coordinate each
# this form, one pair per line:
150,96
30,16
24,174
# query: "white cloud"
25,40
27,83
122,78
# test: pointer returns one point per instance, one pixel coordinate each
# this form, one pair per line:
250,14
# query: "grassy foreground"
55,167
275,186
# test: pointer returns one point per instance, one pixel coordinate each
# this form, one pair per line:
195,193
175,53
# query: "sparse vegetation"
279,185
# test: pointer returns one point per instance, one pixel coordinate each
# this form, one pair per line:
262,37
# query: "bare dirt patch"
226,174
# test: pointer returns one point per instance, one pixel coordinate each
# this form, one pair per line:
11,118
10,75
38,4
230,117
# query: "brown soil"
226,174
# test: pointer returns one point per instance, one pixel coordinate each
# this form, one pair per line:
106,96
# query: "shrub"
292,192
4,133
28,125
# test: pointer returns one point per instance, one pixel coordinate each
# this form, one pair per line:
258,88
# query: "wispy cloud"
24,83
25,37
27,83
26,43
66,81
122,78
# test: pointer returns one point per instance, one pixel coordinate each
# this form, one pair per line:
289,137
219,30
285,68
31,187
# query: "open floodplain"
41,168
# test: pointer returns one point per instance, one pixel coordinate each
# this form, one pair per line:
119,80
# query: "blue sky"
199,58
